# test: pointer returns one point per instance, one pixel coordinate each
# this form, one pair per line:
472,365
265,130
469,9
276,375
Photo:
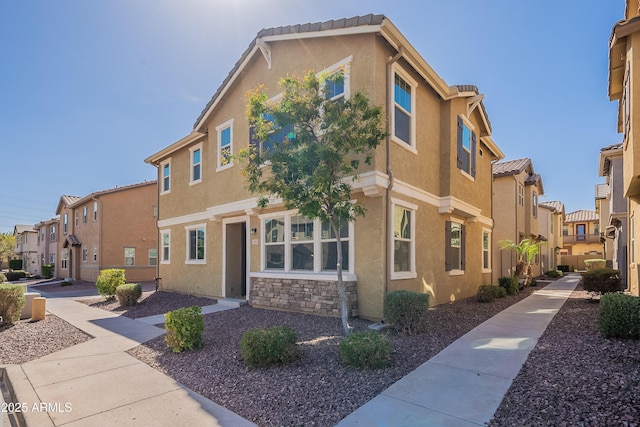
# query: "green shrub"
263,347
406,311
594,264
619,316
14,276
128,294
603,280
12,302
510,284
3,278
66,283
184,328
366,350
109,280
487,293
47,271
15,264
554,274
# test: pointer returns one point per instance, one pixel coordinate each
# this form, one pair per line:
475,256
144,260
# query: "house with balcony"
551,219
114,228
27,247
623,87
516,191
427,193
611,206
581,239
48,232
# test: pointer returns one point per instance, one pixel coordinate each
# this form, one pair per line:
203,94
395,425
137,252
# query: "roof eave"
154,159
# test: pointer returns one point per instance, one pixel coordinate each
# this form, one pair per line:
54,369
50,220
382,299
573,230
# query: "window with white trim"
403,228
129,257
534,204
520,195
95,254
486,250
153,256
455,241
195,155
196,238
95,210
84,214
337,80
404,105
85,254
165,171
64,259
65,223
166,241
225,144
466,152
295,243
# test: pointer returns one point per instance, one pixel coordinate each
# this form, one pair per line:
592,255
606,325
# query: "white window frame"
95,254
317,272
466,122
487,232
192,164
85,254
344,67
411,274
85,214
153,257
411,144
219,129
162,246
163,189
95,210
188,229
133,257
520,195
64,259
457,271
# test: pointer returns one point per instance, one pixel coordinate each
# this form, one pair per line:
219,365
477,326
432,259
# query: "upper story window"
77,220
84,214
337,80
403,117
466,152
225,144
52,235
165,170
520,195
95,210
279,134
65,223
196,164
534,205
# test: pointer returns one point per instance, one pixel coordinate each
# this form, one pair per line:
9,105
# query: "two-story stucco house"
27,247
551,218
516,191
114,228
47,242
613,208
624,81
427,194
581,238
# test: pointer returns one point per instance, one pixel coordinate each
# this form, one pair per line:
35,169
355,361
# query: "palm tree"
526,251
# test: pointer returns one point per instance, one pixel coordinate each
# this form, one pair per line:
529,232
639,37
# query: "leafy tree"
7,247
308,149
526,252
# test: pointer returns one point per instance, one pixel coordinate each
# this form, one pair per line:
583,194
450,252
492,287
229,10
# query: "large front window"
298,244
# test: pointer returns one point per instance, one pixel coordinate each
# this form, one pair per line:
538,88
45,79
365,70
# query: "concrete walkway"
97,383
464,384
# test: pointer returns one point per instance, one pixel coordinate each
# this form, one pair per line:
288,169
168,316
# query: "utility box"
38,308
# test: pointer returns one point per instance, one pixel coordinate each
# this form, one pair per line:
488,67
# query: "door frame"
225,222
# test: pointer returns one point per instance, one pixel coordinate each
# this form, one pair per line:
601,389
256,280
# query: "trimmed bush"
47,271
554,274
15,264
488,293
263,347
619,316
12,302
184,328
366,350
406,311
594,264
14,276
109,280
603,280
510,284
128,294
3,278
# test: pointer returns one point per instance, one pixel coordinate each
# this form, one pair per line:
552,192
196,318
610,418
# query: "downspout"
388,212
158,237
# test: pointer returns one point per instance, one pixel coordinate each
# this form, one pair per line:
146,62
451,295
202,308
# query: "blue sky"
89,89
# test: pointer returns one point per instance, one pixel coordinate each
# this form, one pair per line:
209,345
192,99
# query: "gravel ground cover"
26,340
574,376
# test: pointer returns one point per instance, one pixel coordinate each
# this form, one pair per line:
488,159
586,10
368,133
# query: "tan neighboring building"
48,232
27,247
114,228
581,238
516,191
551,219
428,225
624,84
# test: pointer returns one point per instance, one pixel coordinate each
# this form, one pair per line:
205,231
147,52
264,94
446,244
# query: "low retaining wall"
305,296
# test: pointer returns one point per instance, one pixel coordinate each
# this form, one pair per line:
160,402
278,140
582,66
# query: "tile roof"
602,191
554,205
510,167
582,216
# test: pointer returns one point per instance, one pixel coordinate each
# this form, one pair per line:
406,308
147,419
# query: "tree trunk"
341,288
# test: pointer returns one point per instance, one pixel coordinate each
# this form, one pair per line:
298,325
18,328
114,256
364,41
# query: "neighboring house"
581,239
516,191
551,219
48,233
613,208
114,228
27,247
428,225
624,84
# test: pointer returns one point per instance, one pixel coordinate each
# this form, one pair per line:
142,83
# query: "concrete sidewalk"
96,383
464,384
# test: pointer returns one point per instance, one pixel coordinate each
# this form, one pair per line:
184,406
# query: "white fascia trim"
362,29
329,276
416,193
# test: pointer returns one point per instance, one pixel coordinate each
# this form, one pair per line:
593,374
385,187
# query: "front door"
236,260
